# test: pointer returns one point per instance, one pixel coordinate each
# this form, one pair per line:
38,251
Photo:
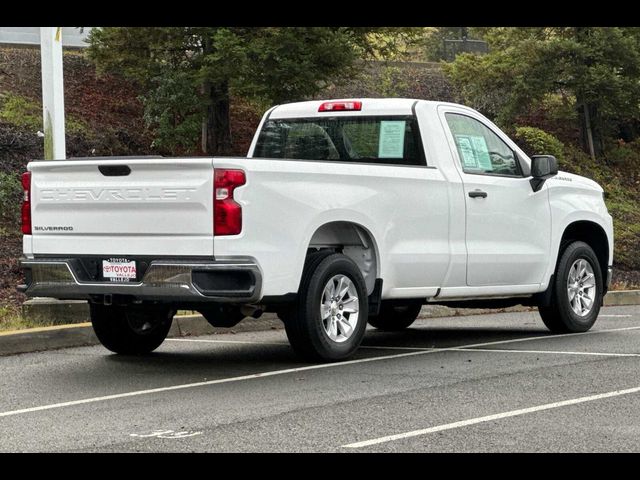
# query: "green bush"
538,142
20,111
10,198
623,154
23,112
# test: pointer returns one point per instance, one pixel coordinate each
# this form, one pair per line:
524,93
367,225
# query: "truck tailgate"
146,206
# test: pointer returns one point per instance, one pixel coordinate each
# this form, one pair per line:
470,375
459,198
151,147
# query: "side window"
481,151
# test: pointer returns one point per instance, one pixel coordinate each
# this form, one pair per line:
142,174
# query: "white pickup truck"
344,212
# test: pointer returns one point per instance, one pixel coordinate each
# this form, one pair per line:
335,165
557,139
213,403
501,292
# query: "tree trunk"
216,126
590,121
590,134
589,131
217,134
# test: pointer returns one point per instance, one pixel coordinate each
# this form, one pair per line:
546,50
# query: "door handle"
478,193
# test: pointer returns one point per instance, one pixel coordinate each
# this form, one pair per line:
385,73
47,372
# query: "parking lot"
484,383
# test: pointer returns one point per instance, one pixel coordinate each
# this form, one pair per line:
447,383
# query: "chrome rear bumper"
237,280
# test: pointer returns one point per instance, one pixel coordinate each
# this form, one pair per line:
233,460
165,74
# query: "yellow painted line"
45,329
69,326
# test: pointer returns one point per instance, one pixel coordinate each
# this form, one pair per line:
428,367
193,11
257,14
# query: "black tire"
131,330
394,316
559,316
286,312
303,322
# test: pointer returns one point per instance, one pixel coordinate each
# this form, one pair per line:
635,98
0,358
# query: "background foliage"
188,74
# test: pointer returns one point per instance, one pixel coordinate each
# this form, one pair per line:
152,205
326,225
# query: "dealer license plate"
119,269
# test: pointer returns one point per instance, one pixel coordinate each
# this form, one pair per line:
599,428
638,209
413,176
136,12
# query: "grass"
23,112
623,285
12,319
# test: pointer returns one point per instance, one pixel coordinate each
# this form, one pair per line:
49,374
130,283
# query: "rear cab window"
391,140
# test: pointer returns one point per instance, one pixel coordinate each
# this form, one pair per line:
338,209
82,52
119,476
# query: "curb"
622,297
46,338
81,334
55,312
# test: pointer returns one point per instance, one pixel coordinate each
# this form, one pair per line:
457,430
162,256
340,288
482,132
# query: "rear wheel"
132,329
394,316
328,321
577,291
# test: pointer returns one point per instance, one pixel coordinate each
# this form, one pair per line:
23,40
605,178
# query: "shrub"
623,154
20,111
538,142
23,112
10,198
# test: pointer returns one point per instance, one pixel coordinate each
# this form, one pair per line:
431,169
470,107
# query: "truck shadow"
439,337
237,358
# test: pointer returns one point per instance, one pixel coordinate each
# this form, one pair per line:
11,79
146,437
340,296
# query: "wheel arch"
353,240
593,235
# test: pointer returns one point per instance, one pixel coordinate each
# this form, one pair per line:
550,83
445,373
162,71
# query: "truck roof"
370,106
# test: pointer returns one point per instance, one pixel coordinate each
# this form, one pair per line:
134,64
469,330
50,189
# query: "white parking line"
253,342
383,347
490,418
286,371
240,342
167,434
555,352
207,383
450,349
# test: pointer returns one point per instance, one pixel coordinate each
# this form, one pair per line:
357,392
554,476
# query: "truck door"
508,225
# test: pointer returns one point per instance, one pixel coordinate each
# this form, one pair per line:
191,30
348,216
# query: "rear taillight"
227,213
26,203
340,106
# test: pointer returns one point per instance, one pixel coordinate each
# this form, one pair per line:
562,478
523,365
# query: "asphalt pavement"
482,383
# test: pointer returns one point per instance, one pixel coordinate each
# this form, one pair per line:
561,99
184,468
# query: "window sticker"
466,151
474,152
482,153
391,143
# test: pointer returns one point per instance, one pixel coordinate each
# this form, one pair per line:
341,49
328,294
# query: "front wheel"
131,330
329,318
577,291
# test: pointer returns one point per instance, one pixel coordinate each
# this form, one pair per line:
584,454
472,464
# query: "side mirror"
543,167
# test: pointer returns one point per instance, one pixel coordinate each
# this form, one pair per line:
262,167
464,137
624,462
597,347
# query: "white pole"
52,92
